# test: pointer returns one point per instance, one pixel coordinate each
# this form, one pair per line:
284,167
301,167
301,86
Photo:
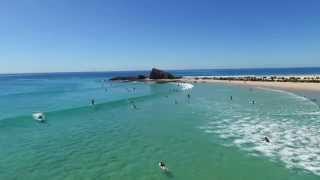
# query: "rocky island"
154,75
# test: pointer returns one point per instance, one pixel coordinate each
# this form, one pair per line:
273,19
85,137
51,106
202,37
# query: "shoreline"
308,90
305,86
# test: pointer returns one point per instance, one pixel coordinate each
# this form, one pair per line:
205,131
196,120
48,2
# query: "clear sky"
98,35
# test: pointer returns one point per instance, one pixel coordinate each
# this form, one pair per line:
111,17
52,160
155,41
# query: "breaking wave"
185,86
294,138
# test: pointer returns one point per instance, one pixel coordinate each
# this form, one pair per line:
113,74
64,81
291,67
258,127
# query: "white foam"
185,86
295,144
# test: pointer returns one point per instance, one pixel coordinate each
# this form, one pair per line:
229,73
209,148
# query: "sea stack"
155,74
159,74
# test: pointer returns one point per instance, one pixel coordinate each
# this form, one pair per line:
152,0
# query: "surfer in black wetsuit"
133,105
189,96
266,139
162,165
92,102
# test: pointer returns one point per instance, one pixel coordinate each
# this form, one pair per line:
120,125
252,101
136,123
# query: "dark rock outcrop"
159,74
155,74
128,78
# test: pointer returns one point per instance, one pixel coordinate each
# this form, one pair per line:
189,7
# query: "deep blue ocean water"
191,72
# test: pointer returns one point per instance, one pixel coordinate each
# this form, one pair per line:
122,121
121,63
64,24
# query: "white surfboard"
39,116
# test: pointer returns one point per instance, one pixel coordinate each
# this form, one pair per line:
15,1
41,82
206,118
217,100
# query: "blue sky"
99,35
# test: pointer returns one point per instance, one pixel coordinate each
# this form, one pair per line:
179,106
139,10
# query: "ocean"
133,126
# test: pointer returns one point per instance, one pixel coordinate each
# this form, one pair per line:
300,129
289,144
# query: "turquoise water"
206,137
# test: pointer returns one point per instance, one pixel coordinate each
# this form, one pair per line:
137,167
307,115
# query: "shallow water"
206,137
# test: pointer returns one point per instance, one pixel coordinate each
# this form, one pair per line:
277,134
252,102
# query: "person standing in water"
231,98
92,102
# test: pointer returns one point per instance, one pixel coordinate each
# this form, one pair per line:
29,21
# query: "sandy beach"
289,86
306,89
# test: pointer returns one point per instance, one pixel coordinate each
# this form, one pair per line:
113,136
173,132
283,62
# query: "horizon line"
167,69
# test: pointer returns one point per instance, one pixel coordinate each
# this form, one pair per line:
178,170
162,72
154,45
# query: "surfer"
92,102
189,96
163,166
133,105
266,139
39,116
231,98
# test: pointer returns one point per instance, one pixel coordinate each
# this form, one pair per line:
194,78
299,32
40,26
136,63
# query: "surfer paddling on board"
163,166
266,139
